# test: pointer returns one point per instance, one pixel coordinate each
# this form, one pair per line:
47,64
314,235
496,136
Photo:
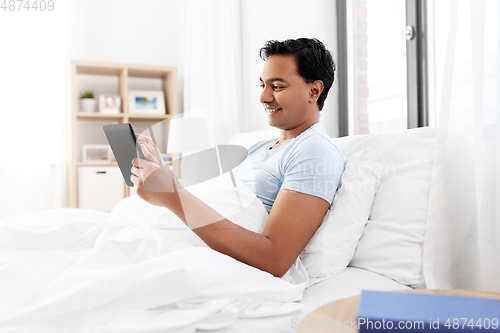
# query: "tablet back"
123,142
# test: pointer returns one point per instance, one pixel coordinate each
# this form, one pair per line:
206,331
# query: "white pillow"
332,247
392,240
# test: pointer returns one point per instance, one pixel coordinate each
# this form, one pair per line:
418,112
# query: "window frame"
416,65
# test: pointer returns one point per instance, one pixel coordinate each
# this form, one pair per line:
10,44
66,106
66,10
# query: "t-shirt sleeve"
314,167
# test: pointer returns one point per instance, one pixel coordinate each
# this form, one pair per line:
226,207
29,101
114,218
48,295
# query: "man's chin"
274,124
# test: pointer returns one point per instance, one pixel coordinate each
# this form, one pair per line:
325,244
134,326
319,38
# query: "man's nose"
266,96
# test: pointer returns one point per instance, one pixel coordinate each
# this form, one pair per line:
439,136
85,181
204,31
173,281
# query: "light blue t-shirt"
309,163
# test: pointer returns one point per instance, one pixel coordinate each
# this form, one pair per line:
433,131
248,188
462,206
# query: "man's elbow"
278,268
278,261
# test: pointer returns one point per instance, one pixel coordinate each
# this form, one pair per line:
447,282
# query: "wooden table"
331,317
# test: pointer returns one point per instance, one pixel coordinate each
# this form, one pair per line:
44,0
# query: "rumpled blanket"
138,269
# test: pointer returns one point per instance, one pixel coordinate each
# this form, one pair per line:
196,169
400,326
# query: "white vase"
88,105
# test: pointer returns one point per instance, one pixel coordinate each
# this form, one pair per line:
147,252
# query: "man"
295,177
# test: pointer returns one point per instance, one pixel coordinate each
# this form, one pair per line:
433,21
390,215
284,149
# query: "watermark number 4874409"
27,5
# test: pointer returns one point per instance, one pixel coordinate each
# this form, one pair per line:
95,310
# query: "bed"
139,269
348,283
81,270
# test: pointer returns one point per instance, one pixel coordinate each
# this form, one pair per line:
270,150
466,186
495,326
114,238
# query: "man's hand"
150,145
156,184
151,179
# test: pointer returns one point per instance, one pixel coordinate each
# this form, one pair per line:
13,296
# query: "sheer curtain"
34,86
212,65
463,228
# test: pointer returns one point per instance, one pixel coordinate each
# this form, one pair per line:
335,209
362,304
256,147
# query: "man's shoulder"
261,145
317,143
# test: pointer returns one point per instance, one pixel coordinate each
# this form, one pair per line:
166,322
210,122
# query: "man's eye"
275,87
262,86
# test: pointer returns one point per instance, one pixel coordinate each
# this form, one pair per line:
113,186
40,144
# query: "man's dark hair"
313,60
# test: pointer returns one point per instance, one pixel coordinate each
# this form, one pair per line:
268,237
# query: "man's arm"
292,222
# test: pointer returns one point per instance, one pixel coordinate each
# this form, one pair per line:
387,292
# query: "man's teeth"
272,110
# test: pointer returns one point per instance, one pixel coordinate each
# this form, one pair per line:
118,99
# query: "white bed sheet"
346,284
69,270
36,249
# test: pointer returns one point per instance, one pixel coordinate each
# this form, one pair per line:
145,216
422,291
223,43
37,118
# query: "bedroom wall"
33,55
129,31
263,20
152,32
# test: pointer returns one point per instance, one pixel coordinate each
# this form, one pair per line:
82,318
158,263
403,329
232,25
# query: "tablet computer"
123,142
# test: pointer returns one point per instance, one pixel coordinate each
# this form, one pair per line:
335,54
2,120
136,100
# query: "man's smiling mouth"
271,111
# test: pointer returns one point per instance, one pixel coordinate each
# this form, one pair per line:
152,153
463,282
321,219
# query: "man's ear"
316,90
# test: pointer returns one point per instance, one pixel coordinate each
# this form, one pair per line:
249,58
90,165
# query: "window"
383,78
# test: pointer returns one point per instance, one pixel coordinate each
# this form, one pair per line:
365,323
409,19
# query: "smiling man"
295,176
288,99
295,81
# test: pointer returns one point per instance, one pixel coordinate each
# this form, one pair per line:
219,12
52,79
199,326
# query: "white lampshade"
188,134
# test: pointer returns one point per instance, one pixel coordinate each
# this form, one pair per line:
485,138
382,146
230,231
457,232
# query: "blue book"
381,311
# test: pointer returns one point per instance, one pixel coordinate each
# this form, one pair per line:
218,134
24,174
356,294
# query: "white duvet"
138,269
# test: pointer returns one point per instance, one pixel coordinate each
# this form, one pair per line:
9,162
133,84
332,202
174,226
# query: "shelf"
136,116
97,115
79,164
149,71
149,116
146,71
92,68
115,79
98,71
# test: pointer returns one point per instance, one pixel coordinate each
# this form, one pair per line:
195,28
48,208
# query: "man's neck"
287,134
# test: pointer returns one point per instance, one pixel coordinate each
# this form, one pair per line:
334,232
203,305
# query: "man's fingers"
134,179
148,154
142,168
145,139
155,153
140,163
134,170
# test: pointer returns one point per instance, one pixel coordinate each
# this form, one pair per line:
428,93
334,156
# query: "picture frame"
96,154
109,104
146,102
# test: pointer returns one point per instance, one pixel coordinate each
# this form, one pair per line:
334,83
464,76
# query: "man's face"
285,94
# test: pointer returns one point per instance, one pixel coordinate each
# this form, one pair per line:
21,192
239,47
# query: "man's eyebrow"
274,79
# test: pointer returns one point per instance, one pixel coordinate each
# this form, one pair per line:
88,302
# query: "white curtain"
34,95
212,65
463,228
